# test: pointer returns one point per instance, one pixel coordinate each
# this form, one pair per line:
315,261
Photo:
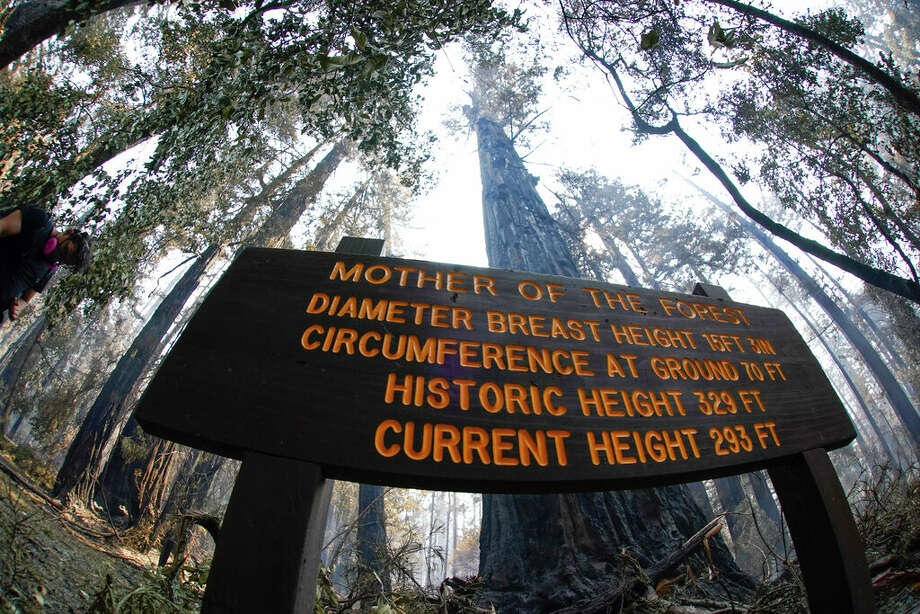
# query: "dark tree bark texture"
372,536
85,457
30,23
138,474
9,377
543,552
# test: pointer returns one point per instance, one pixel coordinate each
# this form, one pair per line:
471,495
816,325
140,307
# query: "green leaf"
374,63
360,39
649,40
718,37
348,59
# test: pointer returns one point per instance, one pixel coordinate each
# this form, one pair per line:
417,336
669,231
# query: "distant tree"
898,399
86,456
807,64
884,440
209,97
564,543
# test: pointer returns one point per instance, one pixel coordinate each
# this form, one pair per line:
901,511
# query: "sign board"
449,377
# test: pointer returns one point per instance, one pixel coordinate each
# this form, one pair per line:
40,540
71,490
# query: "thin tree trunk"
451,571
85,457
324,234
732,498
372,541
865,411
429,552
12,371
761,490
619,261
855,308
893,390
447,529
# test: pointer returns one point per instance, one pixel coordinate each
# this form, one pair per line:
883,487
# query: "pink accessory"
50,244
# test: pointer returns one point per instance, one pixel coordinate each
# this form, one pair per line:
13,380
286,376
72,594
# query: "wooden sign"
439,376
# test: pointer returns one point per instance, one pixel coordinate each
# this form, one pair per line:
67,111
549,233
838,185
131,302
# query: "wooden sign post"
312,365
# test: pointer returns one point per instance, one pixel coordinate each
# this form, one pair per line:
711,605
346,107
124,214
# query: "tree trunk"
732,499
451,571
11,373
30,23
286,214
619,261
324,234
906,326
429,552
893,391
190,489
765,500
372,540
892,354
542,552
138,474
864,408
86,455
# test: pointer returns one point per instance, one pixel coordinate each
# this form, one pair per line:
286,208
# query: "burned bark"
543,552
86,455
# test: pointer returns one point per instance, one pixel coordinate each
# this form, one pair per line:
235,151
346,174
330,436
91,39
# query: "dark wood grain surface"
240,378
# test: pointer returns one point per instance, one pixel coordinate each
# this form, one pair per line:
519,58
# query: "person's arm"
11,224
19,304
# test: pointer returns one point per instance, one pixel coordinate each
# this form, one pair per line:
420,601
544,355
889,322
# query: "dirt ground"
53,561
56,560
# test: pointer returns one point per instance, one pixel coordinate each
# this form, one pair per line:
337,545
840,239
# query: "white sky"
588,129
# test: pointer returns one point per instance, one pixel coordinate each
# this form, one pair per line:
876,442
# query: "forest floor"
54,559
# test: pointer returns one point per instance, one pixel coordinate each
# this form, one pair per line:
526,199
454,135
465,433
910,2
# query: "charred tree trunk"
764,497
893,390
189,490
887,446
137,477
371,542
732,499
30,23
9,377
86,455
542,552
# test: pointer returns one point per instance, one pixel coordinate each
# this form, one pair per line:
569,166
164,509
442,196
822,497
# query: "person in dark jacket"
31,250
